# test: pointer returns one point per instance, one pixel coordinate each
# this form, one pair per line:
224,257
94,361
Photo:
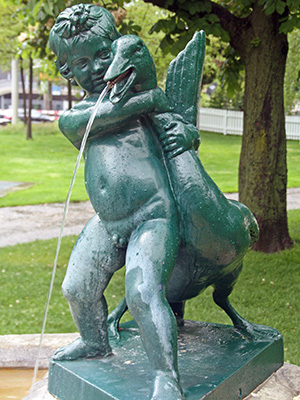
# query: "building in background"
41,99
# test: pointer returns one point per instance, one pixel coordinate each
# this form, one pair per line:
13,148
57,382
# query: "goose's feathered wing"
184,78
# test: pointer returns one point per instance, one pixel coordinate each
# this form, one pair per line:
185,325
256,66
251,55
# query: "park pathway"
23,224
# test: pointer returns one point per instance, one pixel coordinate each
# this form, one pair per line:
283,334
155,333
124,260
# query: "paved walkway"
40,222
28,223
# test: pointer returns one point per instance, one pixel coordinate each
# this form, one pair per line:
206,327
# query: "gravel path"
29,223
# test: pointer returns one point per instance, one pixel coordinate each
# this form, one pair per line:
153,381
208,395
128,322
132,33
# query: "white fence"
231,122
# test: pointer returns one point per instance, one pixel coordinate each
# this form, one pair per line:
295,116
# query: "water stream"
66,206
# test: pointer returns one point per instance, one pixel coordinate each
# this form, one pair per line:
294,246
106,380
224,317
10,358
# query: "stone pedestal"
215,363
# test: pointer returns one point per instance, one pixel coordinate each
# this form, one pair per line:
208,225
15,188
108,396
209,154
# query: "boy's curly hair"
75,23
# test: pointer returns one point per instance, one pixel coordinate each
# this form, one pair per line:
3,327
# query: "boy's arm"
73,122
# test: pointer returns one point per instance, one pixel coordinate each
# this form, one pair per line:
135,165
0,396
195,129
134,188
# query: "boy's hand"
175,135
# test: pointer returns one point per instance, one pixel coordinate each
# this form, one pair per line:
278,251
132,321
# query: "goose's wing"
184,78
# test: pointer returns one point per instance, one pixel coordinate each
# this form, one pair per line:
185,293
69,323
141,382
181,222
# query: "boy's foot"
79,349
166,388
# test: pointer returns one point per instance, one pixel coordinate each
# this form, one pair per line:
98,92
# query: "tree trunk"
50,95
29,124
23,89
263,169
69,95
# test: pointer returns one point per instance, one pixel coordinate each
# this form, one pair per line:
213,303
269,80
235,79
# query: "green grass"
48,162
267,291
25,272
220,157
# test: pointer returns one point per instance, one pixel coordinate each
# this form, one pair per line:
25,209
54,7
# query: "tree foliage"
140,17
188,16
10,27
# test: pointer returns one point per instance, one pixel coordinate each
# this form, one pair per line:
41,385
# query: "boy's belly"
125,178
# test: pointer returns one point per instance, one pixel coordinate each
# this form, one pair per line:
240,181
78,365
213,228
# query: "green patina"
157,210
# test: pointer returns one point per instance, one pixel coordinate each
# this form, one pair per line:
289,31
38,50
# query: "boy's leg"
92,263
150,258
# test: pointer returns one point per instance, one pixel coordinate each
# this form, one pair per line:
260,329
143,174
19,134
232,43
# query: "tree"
26,53
227,94
139,19
257,32
14,40
29,122
10,27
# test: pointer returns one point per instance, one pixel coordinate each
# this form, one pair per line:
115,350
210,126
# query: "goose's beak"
125,71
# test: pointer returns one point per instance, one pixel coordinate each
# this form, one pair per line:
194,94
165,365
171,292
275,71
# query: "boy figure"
136,221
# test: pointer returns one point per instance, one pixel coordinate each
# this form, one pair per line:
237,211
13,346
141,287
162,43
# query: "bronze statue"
157,210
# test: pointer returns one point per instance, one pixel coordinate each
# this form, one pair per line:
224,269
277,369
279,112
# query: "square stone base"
215,363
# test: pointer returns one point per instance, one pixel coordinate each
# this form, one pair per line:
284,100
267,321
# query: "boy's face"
89,60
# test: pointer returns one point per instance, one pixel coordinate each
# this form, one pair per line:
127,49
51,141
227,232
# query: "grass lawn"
267,291
48,162
220,156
